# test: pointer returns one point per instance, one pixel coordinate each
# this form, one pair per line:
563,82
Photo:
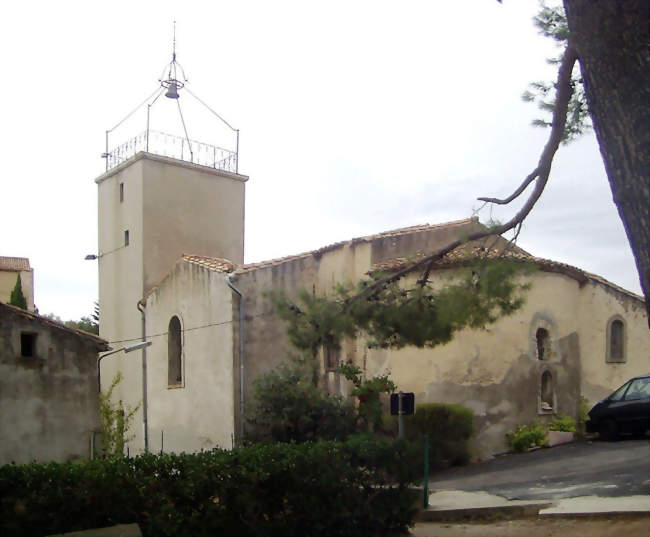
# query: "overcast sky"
356,117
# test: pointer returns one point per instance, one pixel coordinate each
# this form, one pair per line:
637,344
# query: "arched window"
546,392
543,339
616,340
174,353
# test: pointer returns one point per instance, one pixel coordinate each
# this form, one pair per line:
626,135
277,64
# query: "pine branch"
540,175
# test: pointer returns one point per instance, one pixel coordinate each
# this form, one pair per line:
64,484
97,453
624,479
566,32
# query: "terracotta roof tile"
14,263
466,255
215,264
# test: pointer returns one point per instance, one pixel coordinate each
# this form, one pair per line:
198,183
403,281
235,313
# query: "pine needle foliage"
17,298
395,316
551,22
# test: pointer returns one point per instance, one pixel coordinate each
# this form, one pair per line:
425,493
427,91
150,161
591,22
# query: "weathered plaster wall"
48,402
266,342
198,413
598,305
496,372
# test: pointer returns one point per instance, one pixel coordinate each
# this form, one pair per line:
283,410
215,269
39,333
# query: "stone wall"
48,399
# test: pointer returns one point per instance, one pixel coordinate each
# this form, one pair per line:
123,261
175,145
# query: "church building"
172,272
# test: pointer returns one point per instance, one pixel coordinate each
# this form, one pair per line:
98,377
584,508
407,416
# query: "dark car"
626,411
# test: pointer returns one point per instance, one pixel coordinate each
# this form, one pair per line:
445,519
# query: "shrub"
323,488
562,423
290,408
526,436
449,428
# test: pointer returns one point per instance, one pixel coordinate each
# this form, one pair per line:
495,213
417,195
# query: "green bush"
562,423
289,408
324,488
449,428
526,436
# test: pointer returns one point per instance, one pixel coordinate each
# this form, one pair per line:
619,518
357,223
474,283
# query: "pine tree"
17,297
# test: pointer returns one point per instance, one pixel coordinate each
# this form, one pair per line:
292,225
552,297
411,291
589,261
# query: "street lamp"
126,348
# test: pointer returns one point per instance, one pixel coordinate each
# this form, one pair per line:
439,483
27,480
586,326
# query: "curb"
482,513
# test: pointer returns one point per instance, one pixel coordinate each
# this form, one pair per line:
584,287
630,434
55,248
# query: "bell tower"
163,194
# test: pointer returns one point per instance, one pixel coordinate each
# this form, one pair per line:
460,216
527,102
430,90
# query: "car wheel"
609,430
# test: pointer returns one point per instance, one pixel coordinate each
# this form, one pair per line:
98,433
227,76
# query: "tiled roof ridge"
460,257
216,264
51,322
14,263
247,267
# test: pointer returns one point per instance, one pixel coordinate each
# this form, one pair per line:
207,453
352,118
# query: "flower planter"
559,437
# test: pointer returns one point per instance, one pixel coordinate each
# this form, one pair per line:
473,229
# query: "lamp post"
129,348
126,348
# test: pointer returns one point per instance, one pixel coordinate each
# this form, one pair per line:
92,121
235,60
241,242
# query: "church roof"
467,255
458,257
367,238
14,263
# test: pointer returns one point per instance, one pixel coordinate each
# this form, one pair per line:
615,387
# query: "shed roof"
7,309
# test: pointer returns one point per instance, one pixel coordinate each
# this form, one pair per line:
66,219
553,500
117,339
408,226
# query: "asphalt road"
579,469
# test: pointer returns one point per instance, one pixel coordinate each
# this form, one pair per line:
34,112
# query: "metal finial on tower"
172,83
157,142
174,44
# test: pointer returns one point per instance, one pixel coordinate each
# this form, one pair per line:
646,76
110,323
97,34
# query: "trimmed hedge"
351,488
449,428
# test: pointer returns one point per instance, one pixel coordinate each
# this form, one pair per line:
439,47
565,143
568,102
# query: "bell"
172,91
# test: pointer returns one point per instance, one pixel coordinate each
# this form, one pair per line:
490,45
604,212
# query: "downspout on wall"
145,425
241,357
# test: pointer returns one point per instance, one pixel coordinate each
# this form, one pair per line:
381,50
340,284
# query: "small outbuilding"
49,409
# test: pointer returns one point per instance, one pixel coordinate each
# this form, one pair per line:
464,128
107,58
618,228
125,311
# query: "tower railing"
177,147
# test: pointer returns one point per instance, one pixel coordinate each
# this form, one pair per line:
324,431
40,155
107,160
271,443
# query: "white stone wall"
198,414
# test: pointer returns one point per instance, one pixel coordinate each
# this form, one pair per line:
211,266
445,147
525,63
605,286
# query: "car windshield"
618,394
639,389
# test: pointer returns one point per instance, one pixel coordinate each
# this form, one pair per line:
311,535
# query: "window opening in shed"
27,344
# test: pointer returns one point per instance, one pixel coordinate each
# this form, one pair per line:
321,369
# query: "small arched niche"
543,344
546,393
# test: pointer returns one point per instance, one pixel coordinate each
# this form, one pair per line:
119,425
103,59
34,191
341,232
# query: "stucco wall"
266,343
598,306
198,413
169,207
48,402
495,372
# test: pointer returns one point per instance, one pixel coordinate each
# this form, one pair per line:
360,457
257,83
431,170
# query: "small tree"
116,421
289,408
368,393
17,297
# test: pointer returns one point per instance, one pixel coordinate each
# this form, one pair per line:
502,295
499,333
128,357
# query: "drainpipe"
145,425
241,357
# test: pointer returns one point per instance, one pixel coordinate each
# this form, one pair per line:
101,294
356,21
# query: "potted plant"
561,430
